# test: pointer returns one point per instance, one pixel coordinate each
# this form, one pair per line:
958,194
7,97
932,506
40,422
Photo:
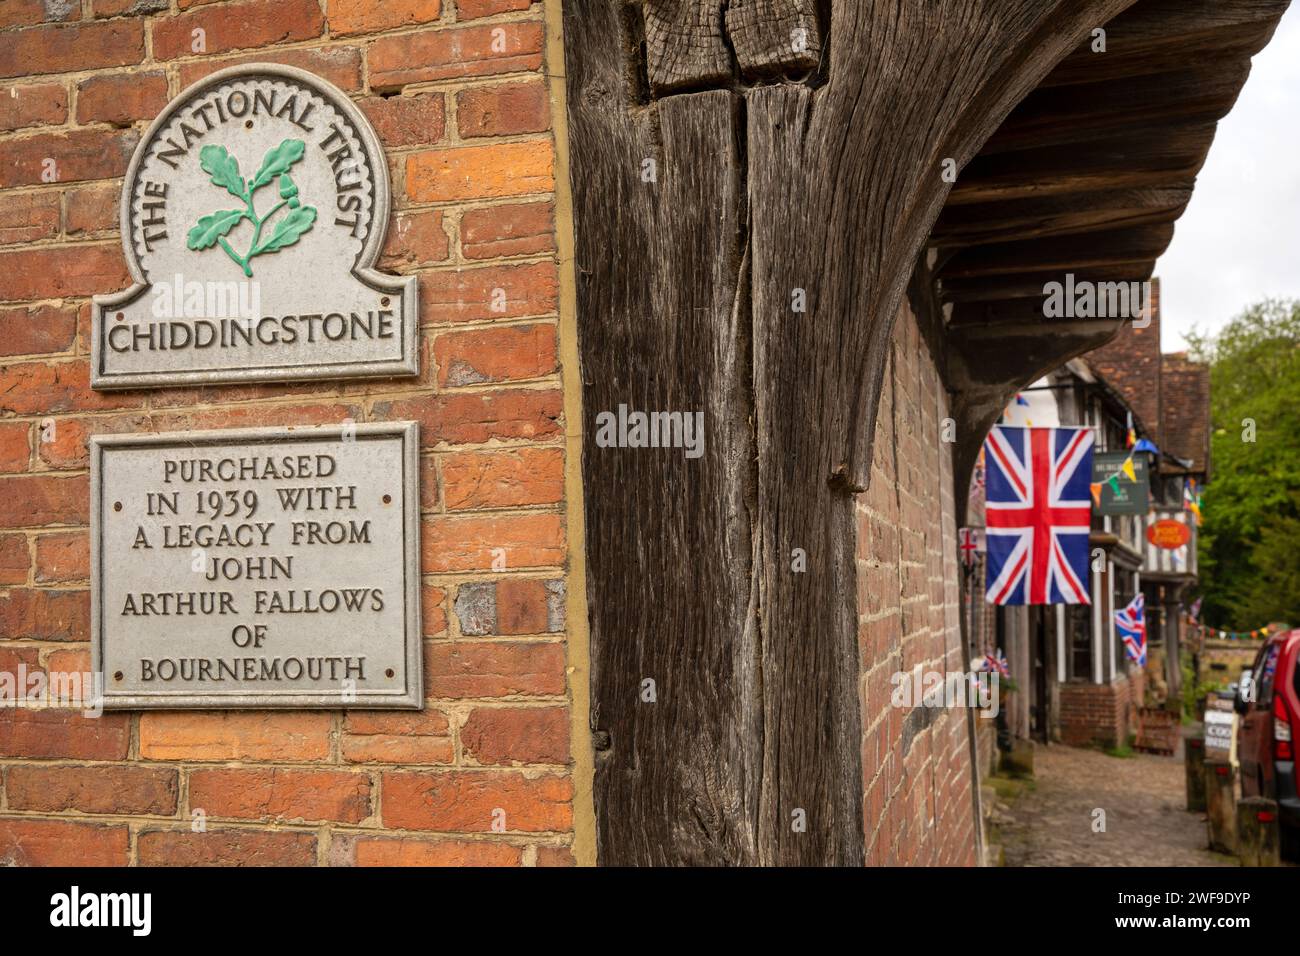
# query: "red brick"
503,479
340,65
38,614
503,110
37,329
505,735
51,273
475,417
511,353
481,172
281,794
33,104
238,26
64,443
518,229
466,802
254,416
28,216
442,54
60,48
15,560
433,615
121,98
522,606
15,446
18,13
35,501
466,543
406,851
555,856
226,848
493,669
47,388
235,735
371,16
49,734
473,9
406,120
63,556
482,294
415,239
406,738
62,843
92,208
123,789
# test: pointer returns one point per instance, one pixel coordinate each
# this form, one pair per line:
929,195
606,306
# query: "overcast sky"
1239,240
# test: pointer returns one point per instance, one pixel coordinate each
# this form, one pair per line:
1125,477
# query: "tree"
1250,546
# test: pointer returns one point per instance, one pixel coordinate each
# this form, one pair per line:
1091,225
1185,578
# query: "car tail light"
1282,749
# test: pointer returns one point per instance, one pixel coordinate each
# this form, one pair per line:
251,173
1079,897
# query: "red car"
1266,738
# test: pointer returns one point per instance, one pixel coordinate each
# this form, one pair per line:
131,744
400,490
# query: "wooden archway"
754,182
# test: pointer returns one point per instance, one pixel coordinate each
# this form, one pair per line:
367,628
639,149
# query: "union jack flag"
1038,513
1131,623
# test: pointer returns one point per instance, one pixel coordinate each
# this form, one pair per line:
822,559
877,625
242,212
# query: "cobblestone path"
1144,799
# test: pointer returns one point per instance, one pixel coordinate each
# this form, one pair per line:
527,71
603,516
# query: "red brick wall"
917,802
1102,714
456,91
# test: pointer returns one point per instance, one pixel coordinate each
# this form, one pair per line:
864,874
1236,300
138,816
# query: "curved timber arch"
754,182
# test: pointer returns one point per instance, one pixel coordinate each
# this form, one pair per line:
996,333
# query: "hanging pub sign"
1169,534
1122,496
252,214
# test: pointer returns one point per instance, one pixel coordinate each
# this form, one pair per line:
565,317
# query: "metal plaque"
252,215
257,567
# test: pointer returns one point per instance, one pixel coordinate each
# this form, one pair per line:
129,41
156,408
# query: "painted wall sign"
1168,534
257,568
252,214
1133,497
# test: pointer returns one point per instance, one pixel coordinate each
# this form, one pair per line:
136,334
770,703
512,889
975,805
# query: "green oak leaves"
224,169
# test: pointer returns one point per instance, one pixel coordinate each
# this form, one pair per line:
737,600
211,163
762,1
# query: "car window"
1266,674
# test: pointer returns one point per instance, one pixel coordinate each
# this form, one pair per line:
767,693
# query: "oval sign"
1169,534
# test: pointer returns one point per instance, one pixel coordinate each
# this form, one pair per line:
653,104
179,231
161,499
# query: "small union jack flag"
1131,624
972,543
996,661
1038,512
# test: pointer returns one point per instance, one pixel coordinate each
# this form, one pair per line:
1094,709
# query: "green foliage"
1250,544
224,170
212,227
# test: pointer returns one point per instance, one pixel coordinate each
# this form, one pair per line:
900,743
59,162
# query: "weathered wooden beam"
1155,36
1059,214
754,276
1097,250
774,38
1160,154
1030,285
1123,108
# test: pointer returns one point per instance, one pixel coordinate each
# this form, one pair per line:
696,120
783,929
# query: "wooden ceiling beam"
1152,159
1030,285
1093,250
1154,36
1120,108
1061,214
